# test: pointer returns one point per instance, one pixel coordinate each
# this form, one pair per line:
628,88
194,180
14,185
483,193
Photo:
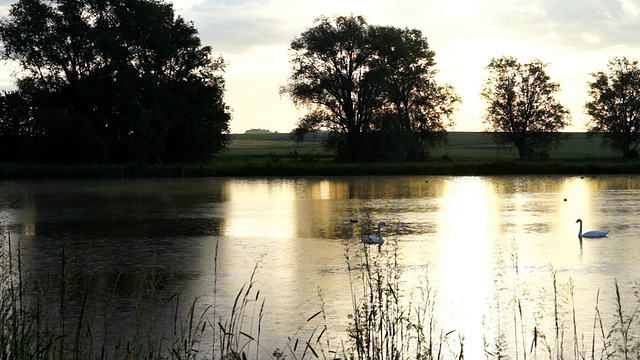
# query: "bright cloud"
576,37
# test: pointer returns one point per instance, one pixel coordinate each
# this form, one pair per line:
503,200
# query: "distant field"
263,145
461,146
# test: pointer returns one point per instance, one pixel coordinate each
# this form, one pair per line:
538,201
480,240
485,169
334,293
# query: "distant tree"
615,106
521,108
371,87
257,131
114,81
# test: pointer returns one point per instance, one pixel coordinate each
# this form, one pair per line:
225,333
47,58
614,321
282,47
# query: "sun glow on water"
262,210
467,225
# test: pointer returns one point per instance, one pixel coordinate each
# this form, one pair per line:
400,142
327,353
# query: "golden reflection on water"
458,226
467,225
578,205
260,209
322,191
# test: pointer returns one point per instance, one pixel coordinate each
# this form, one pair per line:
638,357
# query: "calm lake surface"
467,235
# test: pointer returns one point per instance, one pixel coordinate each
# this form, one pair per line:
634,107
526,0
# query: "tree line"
373,88
118,81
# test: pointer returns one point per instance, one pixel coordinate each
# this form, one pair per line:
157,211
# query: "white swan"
374,240
591,234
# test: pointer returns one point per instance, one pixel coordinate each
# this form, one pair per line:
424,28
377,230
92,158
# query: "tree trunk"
629,154
352,146
522,152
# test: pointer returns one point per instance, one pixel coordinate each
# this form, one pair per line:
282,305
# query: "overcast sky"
576,37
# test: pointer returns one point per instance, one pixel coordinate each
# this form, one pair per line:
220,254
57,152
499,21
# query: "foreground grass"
54,319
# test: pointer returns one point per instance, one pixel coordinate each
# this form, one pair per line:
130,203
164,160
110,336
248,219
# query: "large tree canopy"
110,81
521,108
372,87
615,106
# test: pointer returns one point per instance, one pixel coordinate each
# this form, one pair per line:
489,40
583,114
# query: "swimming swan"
374,240
590,234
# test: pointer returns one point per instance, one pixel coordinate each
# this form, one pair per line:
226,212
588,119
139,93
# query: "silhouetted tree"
521,108
115,81
615,106
371,87
330,77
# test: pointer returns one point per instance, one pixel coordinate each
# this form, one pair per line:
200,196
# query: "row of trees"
373,88
522,110
128,81
109,81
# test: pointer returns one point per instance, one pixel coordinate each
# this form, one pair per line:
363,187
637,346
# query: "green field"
461,146
264,145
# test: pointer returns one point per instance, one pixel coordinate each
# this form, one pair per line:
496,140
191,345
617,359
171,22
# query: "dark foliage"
615,106
371,87
522,110
109,81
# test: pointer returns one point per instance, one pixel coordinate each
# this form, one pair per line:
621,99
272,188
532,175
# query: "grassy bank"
278,155
283,167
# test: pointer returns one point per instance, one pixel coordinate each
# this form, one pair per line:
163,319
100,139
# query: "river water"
485,244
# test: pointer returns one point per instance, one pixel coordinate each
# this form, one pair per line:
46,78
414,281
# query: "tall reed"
546,325
35,325
385,323
389,319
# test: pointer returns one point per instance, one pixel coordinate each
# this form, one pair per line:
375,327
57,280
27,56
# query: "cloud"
239,35
237,26
575,25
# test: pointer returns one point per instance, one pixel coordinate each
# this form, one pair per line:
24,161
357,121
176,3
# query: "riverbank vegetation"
285,167
466,153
